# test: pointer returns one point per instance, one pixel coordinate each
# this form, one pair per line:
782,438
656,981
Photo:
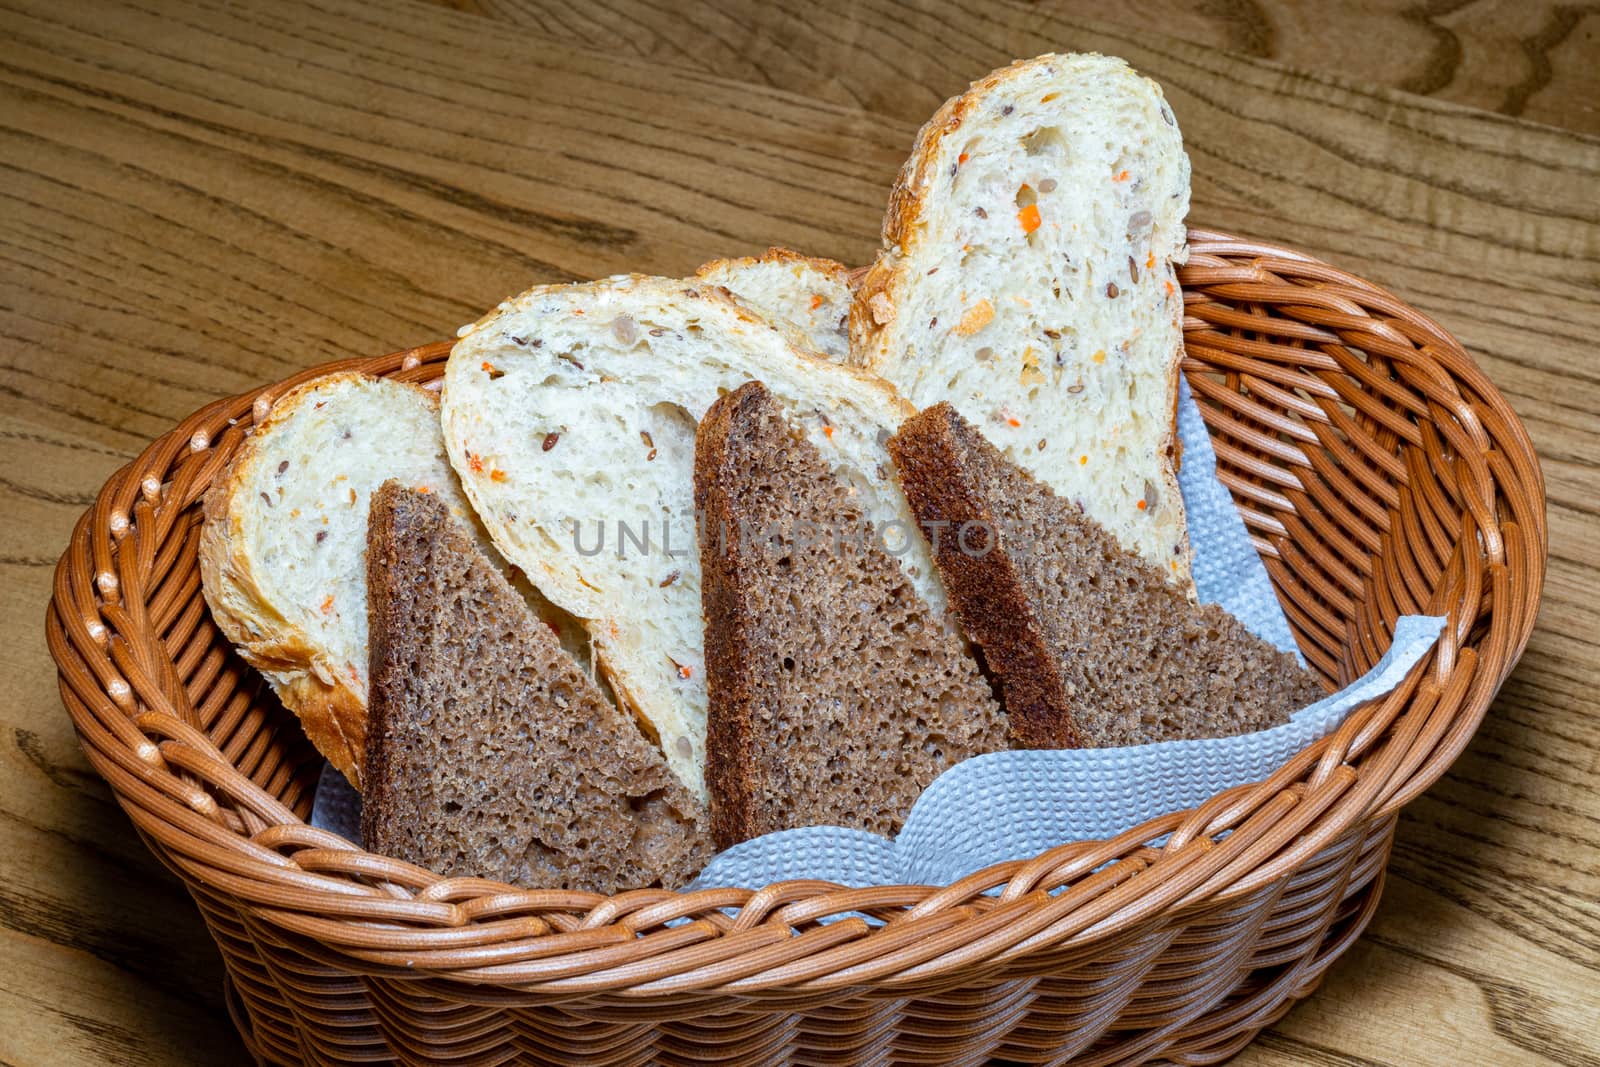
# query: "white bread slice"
283,548
1026,277
581,403
807,294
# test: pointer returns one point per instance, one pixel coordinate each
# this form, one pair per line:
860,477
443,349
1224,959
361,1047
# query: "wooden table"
201,198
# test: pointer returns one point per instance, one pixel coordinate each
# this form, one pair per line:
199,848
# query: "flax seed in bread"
1090,644
836,694
490,753
1027,277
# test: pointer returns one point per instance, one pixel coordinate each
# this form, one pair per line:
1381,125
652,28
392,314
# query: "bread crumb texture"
1091,645
492,754
836,694
1027,278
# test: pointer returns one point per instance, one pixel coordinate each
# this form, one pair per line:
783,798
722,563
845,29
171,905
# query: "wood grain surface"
198,198
1529,58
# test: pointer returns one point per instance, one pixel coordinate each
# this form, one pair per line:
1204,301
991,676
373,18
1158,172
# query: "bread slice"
836,695
283,547
1090,644
491,754
573,409
1027,278
810,295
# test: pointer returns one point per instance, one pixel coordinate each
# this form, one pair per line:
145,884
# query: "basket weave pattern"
1379,474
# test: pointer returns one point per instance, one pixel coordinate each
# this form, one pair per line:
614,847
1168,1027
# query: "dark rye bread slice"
490,753
1091,645
836,694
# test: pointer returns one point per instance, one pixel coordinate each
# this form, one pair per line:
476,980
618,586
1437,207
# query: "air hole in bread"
671,422
1046,141
654,799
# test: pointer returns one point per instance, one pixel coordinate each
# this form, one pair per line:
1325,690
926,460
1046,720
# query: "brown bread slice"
1091,646
836,694
490,752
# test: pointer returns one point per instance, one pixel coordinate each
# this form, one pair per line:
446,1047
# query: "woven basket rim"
139,729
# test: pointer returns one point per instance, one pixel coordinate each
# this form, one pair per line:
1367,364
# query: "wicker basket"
1379,474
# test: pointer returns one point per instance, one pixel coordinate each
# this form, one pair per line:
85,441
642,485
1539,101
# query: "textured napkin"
1013,805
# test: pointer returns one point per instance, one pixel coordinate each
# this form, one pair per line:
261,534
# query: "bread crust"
332,709
908,199
886,281
381,621
730,745
986,592
833,269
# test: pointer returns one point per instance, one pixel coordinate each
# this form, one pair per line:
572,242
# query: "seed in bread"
1027,277
570,414
836,695
490,753
1090,645
283,548
809,295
